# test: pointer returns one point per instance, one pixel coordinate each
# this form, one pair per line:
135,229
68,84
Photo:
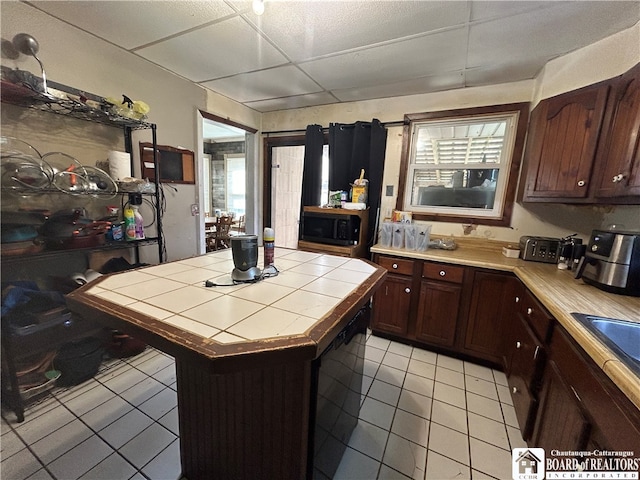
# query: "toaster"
540,249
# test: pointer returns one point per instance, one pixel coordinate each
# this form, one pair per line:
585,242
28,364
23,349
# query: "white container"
423,234
398,235
410,236
386,234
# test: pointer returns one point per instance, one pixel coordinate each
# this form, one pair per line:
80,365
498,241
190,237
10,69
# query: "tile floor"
423,415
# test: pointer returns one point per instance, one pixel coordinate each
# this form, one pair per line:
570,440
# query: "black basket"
78,361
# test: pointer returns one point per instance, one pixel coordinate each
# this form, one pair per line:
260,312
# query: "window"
235,185
463,164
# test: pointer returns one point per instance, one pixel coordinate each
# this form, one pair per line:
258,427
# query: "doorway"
284,157
229,182
224,147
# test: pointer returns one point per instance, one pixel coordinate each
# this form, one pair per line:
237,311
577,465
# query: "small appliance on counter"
540,249
571,252
612,262
244,249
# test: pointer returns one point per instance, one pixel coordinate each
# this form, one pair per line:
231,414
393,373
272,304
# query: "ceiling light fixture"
258,7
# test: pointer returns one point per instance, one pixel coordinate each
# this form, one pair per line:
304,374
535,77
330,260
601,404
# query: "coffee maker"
612,262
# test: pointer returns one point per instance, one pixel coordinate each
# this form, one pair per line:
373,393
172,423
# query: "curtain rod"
397,123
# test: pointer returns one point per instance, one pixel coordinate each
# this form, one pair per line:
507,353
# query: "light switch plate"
389,191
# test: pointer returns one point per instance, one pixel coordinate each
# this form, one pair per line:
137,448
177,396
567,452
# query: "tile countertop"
169,307
558,291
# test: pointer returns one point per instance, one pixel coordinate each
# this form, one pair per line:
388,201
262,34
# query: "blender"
244,249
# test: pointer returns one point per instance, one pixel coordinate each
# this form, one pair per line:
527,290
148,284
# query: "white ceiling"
315,52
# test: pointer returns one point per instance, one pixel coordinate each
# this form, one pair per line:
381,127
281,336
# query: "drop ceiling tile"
524,36
491,9
276,82
216,51
304,29
434,83
418,57
503,73
300,101
134,23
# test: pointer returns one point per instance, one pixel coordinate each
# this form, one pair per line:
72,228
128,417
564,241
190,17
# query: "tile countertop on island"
557,290
229,327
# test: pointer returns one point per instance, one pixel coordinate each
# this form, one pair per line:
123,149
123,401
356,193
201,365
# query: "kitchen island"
244,353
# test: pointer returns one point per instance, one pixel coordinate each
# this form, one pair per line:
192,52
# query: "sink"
621,336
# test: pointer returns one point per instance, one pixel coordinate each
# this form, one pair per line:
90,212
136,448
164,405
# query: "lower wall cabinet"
449,307
580,407
563,400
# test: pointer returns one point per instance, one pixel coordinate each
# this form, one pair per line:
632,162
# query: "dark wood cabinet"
561,423
583,146
490,306
391,305
525,353
438,310
449,307
561,146
614,422
618,155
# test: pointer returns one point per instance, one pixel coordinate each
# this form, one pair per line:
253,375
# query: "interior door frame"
251,160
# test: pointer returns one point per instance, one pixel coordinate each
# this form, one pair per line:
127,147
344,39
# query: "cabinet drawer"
439,271
397,265
524,404
538,317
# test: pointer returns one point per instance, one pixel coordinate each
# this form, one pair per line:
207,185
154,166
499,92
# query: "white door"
286,188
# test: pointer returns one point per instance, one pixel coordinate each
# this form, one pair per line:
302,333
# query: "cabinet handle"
581,183
618,178
518,345
575,393
442,273
395,266
529,311
407,290
535,354
67,323
514,390
517,299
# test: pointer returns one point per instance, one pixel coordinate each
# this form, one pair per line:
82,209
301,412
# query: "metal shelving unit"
23,96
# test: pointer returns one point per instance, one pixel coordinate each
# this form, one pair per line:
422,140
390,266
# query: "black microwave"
331,228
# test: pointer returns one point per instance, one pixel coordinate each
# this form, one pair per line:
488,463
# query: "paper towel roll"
119,165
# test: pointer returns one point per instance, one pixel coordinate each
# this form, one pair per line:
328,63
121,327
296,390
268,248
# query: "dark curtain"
312,170
353,147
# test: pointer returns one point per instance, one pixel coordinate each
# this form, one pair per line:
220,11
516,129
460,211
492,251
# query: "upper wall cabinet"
583,145
619,149
562,142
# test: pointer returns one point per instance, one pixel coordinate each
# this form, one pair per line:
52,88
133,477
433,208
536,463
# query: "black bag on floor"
78,361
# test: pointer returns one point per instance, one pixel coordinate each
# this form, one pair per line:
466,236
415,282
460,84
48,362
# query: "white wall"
606,59
78,59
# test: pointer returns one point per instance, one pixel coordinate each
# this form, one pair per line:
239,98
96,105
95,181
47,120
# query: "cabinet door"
391,305
561,423
438,308
527,362
618,155
561,149
489,307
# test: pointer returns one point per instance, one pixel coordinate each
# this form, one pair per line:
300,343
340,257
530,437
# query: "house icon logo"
528,463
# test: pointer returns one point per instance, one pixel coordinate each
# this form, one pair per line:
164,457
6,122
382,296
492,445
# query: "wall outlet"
389,191
195,209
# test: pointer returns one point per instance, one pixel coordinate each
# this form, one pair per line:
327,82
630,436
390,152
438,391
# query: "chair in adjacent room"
240,226
220,238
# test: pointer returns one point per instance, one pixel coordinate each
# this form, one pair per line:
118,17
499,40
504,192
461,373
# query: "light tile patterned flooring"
423,415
